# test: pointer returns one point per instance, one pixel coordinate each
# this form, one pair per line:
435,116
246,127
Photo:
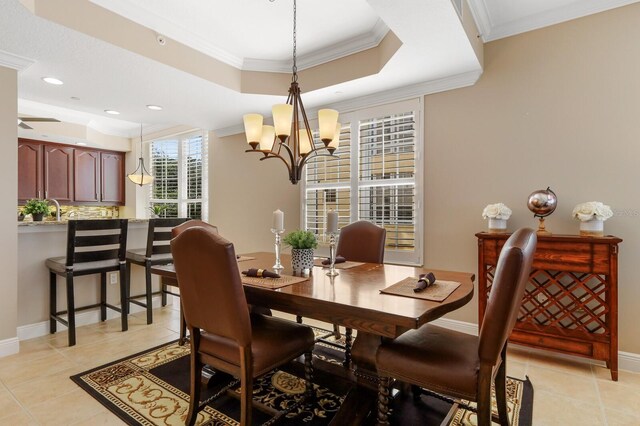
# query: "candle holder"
332,256
278,232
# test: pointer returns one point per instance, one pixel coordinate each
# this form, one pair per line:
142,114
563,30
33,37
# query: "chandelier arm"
315,154
281,158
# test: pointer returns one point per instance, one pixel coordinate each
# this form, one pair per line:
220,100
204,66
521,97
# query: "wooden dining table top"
353,298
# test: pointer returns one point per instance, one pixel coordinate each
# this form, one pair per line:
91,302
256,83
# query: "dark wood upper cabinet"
29,170
58,172
87,175
112,182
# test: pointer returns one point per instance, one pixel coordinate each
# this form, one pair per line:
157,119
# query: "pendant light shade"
282,114
140,176
253,128
327,119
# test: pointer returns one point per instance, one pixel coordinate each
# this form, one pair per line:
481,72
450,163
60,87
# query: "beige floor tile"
620,418
624,377
48,387
84,335
616,396
569,385
551,409
20,370
101,419
8,405
67,409
517,353
554,362
516,369
20,419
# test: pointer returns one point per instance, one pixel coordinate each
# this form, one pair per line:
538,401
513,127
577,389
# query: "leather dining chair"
174,233
94,246
157,252
224,334
360,241
461,365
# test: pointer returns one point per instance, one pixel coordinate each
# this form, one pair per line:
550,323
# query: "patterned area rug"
152,388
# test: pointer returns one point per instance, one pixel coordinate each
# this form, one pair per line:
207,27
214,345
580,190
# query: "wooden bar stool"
93,247
157,252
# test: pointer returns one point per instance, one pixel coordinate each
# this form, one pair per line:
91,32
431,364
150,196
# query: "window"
179,165
376,177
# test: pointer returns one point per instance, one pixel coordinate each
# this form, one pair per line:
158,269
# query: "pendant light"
140,176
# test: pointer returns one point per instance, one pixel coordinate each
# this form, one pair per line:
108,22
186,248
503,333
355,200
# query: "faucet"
57,208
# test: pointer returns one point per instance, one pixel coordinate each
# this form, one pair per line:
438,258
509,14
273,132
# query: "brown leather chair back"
511,276
362,241
190,224
210,287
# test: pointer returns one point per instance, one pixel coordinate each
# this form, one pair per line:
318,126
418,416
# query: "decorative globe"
542,202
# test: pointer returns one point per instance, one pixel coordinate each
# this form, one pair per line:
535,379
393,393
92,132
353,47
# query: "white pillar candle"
332,222
278,220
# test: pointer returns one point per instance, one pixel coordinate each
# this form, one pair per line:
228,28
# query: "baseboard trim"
9,346
626,360
40,329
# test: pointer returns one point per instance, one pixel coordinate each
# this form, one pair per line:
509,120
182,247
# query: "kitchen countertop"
62,224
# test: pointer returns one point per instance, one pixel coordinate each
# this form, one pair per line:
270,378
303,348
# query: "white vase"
302,260
592,228
497,225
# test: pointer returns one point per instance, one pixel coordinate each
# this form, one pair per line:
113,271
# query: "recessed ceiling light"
75,98
111,111
155,107
52,80
81,143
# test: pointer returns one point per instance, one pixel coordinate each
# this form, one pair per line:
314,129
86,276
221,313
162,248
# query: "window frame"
182,201
402,257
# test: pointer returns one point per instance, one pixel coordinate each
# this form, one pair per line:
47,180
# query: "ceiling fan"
22,120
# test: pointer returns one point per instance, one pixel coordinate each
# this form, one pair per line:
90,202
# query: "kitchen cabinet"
58,172
87,175
112,177
29,170
70,174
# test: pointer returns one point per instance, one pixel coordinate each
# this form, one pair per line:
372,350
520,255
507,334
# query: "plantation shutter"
329,185
387,169
194,166
164,168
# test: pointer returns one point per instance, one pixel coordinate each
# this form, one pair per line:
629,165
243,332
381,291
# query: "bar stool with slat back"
157,252
93,247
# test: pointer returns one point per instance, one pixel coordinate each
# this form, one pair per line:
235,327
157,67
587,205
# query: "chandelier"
140,176
286,140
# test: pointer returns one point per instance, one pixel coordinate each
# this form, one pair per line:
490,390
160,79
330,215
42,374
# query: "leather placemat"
344,265
243,258
436,292
273,283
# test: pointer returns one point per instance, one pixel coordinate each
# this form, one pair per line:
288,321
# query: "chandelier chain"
295,66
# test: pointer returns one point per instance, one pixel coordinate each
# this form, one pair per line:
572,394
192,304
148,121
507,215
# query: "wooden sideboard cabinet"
570,303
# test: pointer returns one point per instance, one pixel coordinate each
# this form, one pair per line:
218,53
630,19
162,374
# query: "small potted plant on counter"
302,244
36,208
157,210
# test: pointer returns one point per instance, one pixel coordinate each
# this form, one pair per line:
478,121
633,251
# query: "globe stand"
541,228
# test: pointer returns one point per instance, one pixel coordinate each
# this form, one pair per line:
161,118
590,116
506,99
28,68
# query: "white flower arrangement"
592,210
496,211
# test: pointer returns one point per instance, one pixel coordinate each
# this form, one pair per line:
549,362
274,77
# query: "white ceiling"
252,34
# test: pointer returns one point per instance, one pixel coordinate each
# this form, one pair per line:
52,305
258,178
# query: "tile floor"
35,388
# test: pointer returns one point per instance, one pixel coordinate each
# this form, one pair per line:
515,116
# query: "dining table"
351,299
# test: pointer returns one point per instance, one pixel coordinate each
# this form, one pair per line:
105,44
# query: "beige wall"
244,192
8,195
559,107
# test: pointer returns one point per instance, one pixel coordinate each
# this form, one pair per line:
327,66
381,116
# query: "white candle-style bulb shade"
253,127
305,143
327,119
335,142
282,114
268,137
140,179
332,222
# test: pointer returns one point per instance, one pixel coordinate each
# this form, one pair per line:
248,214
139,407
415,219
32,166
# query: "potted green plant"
157,209
36,208
302,244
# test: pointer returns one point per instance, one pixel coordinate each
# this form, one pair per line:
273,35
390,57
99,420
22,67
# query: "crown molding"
14,61
569,12
170,29
392,95
328,54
